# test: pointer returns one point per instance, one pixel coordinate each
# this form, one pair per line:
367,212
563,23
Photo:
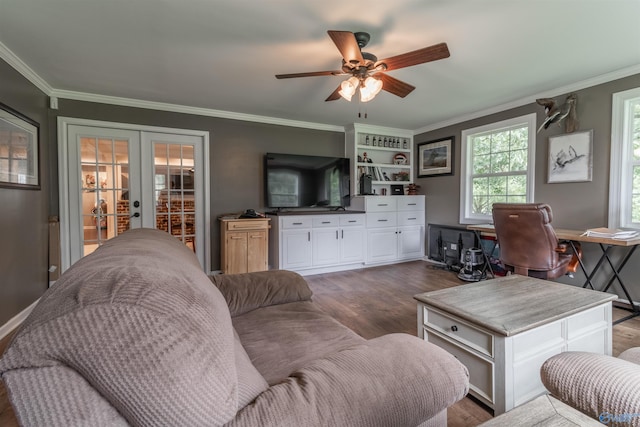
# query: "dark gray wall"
578,205
24,213
236,152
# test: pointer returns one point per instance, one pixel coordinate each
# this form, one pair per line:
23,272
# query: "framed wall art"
570,157
435,158
19,150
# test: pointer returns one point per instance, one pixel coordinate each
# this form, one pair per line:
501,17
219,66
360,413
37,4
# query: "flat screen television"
301,181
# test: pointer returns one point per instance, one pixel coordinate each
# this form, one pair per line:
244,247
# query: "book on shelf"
611,233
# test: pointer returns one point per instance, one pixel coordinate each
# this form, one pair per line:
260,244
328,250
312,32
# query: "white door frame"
204,256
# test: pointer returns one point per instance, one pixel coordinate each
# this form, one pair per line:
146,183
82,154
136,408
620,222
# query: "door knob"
136,204
135,215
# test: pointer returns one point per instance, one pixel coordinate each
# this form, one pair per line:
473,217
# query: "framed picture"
19,150
436,157
570,157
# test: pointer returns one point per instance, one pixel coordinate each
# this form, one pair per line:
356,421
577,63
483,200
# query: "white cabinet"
316,243
384,153
395,227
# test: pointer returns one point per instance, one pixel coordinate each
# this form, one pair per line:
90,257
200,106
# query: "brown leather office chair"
528,244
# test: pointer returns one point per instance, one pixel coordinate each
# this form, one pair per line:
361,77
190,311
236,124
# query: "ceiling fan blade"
346,43
420,56
335,95
395,86
311,74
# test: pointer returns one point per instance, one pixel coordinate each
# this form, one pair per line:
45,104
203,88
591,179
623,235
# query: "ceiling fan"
367,72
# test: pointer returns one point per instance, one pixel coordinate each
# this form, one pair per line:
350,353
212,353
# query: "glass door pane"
174,178
104,190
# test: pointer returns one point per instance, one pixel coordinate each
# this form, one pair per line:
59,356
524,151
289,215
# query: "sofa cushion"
250,382
283,338
135,328
249,291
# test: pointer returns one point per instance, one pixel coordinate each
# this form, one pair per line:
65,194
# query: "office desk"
606,244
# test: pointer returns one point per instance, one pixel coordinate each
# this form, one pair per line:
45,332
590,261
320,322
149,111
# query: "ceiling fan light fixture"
348,87
370,88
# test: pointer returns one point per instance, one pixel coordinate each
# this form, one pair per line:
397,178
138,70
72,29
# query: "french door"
114,177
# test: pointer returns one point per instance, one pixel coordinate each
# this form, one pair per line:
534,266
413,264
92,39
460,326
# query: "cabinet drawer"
247,224
347,220
296,222
410,203
325,221
381,219
460,331
381,204
481,371
411,218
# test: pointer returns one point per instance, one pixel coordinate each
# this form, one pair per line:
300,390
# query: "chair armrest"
394,380
599,386
248,291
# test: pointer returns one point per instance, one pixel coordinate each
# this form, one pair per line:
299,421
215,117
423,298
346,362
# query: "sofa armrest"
394,380
248,291
599,386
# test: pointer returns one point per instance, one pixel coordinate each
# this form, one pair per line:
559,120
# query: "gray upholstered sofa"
604,387
137,334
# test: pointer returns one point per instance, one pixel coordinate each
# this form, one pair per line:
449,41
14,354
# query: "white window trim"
466,217
619,170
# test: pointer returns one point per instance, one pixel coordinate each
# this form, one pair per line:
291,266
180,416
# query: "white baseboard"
16,320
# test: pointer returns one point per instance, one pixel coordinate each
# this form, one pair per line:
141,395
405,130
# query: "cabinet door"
352,244
410,242
257,250
295,249
382,245
236,252
326,246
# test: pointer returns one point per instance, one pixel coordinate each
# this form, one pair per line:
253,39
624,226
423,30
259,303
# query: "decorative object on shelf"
401,176
436,157
400,159
570,157
412,189
385,176
19,150
397,190
566,112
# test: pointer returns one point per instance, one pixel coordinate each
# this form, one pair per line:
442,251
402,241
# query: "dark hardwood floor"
379,300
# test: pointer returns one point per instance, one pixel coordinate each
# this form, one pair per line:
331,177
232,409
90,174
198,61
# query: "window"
498,167
624,171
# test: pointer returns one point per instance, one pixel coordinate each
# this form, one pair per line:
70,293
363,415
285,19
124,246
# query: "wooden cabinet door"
236,252
257,250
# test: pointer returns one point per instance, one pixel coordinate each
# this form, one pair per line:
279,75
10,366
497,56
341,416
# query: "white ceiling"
223,54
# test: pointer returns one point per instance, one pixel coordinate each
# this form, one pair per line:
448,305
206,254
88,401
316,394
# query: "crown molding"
176,108
12,59
604,78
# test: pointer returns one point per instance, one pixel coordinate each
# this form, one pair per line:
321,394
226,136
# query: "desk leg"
487,261
616,276
582,266
596,268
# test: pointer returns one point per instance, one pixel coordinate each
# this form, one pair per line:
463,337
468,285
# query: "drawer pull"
412,204
352,220
297,223
326,222
383,204
412,219
382,220
454,328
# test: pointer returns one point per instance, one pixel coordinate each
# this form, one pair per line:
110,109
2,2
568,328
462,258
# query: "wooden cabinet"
244,245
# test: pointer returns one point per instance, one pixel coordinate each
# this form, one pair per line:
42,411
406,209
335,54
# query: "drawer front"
460,331
293,222
381,204
481,371
410,203
381,219
247,224
411,218
325,221
352,220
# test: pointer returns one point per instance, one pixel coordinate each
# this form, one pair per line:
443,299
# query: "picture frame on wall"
570,157
435,158
19,150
